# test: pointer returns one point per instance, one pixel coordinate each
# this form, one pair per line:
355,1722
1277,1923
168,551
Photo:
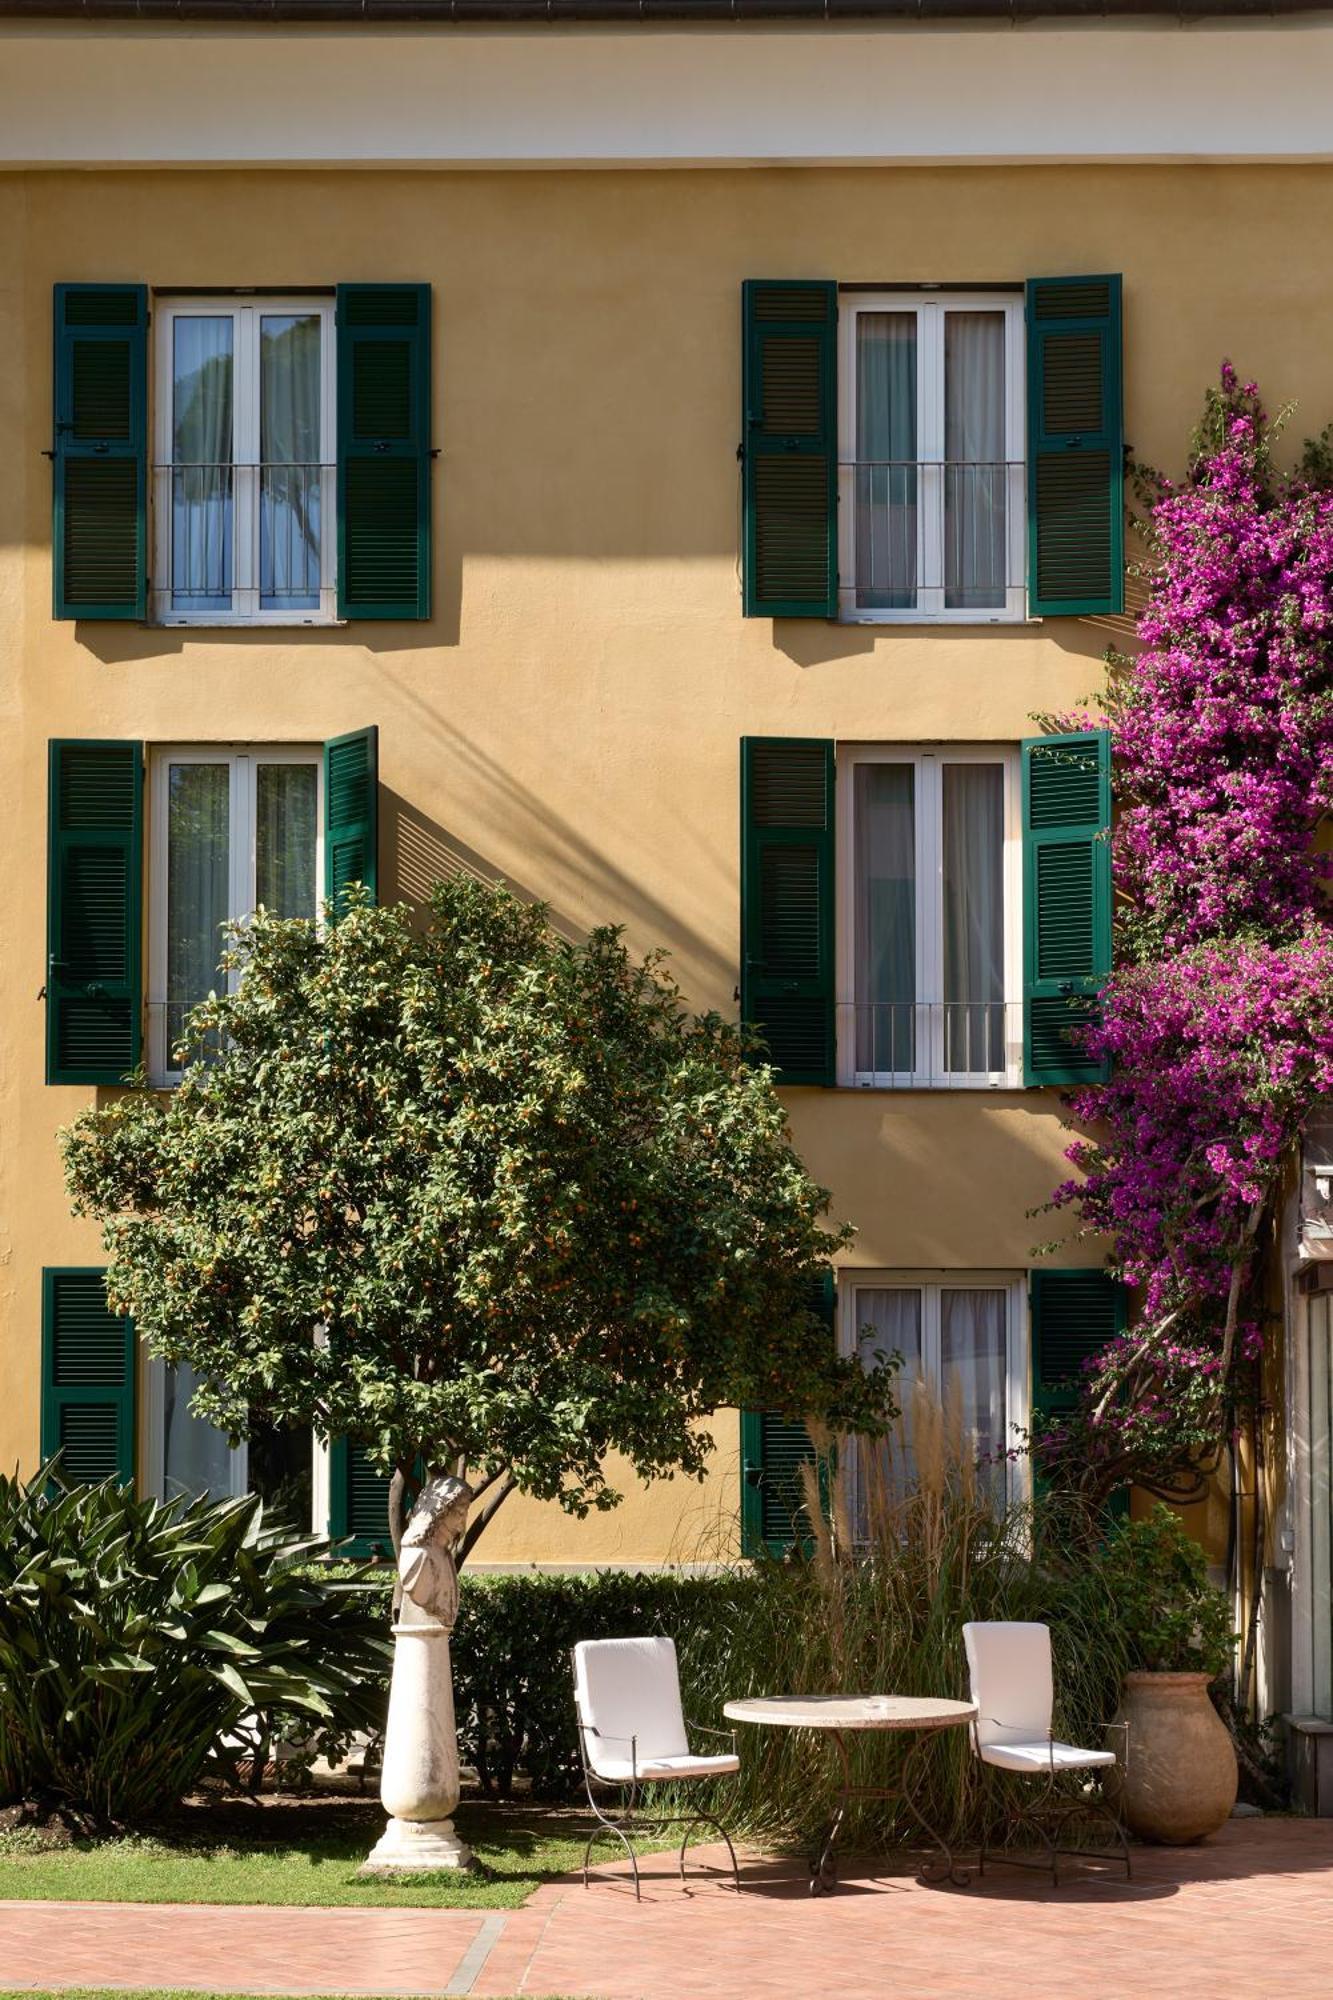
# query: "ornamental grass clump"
877,1605
137,1638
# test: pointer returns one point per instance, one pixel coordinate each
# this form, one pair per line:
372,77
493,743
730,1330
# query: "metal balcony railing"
243,538
933,537
930,1044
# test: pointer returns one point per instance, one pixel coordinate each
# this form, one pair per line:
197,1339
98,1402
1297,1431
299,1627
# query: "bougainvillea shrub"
1217,1021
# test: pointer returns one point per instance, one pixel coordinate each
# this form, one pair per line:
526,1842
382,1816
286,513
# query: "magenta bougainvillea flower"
1218,1018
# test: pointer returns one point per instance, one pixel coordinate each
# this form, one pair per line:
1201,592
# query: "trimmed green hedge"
512,1680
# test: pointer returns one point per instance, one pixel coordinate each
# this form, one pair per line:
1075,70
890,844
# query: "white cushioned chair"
1009,1665
632,1733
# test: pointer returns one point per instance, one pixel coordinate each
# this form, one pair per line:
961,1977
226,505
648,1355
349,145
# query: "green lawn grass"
294,1852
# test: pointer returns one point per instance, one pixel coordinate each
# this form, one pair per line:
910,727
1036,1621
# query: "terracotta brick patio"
1248,1915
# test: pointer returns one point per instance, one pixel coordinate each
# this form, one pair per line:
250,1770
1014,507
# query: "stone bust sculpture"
426,1566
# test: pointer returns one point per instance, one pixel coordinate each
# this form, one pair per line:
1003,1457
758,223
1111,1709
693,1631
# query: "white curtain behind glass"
202,452
285,839
888,1321
196,1458
884,805
886,452
198,883
974,482
289,450
972,808
972,1346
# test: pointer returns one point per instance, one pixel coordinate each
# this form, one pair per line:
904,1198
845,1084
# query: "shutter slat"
88,1379
94,998
790,449
1066,901
1074,1315
1075,447
358,1501
384,420
773,1450
787,903
351,813
100,457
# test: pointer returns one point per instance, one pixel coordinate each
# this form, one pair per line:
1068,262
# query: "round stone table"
918,1720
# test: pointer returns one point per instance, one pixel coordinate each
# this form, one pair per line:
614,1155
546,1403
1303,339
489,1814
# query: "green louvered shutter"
94,886
1074,1315
789,448
787,902
1066,900
358,1501
773,1450
88,1370
100,452
1076,448
384,454
351,813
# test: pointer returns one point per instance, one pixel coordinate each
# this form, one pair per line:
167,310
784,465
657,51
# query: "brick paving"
1246,1916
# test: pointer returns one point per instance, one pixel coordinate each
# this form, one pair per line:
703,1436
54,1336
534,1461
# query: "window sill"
933,621
927,1086
221,621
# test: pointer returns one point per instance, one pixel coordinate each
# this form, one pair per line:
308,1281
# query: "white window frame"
155,1457
246,314
241,758
930,308
927,762
1018,1343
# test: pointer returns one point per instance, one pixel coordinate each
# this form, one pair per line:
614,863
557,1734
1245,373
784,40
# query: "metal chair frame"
629,1818
1047,1816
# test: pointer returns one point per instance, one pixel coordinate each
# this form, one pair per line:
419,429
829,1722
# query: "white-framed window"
188,1456
243,473
932,518
929,917
185,1454
232,827
966,1334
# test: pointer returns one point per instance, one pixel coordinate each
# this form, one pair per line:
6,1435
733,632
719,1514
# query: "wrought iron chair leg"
707,1819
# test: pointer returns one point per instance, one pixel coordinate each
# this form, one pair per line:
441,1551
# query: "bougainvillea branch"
1217,1022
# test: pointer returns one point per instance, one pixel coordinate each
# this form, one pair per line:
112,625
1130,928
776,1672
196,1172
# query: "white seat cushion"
619,1769
1039,1757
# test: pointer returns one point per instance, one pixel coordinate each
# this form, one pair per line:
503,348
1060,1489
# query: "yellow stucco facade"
569,717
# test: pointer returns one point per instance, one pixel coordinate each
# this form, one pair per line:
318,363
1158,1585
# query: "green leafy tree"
481,1198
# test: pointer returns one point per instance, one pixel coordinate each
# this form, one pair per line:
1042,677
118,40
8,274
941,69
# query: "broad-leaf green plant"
136,1638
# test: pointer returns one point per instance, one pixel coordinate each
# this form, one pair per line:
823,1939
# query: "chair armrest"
1125,1727
590,1729
704,1729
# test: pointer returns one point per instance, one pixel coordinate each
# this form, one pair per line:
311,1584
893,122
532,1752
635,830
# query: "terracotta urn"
1180,1782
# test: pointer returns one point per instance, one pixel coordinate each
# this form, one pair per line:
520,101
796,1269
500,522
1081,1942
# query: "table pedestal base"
940,1866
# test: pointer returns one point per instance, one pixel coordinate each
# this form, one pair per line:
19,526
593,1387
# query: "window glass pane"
290,473
196,1458
888,1321
281,1471
886,454
972,1346
975,479
285,839
885,924
202,452
198,875
973,851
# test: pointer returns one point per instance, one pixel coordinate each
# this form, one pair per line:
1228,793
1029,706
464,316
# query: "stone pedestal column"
419,1782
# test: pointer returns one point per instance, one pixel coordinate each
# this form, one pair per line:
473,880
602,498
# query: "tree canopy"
473,1195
